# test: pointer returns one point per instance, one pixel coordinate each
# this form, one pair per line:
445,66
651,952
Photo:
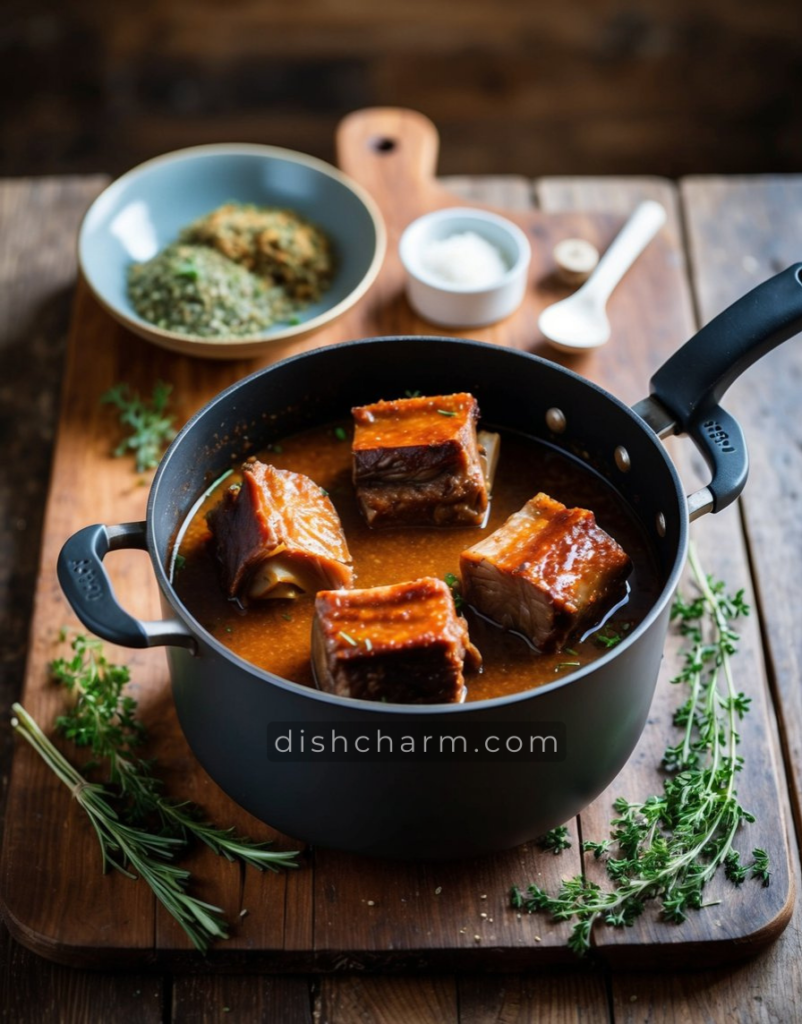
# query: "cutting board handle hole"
383,144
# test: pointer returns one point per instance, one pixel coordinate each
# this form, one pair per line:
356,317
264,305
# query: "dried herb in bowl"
234,272
196,290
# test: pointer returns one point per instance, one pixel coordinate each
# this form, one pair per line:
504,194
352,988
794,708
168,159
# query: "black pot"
438,806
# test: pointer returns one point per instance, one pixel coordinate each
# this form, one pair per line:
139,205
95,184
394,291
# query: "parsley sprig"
150,427
668,847
140,830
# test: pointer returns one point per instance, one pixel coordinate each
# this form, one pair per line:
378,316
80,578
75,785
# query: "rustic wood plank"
560,998
250,999
33,990
100,354
742,231
751,916
766,988
763,991
415,999
505,191
37,276
588,85
37,273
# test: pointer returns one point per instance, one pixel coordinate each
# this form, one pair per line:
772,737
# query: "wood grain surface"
489,999
672,86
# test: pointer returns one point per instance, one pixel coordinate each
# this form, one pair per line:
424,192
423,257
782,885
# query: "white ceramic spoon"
580,321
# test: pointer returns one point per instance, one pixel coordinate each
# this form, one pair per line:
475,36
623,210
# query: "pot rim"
368,707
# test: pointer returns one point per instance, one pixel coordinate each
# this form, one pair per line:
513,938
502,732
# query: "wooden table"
734,233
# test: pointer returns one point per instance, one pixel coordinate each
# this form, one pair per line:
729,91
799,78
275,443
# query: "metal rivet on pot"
660,524
622,459
556,421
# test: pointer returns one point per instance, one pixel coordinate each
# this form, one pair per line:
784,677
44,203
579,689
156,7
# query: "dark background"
665,87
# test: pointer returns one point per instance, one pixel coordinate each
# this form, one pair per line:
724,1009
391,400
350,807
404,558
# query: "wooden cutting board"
340,911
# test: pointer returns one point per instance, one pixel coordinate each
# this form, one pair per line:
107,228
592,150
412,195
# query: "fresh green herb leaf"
180,563
446,412
340,434
101,718
556,840
286,617
456,591
597,849
348,638
567,664
607,638
412,394
668,847
759,868
150,428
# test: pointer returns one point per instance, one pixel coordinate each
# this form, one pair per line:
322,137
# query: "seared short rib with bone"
546,572
278,535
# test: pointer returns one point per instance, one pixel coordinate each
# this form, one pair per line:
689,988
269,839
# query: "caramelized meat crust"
278,535
403,643
416,462
546,572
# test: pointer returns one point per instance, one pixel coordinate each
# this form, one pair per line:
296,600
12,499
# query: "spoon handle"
630,242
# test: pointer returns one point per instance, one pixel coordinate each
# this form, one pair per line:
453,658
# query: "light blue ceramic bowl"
145,209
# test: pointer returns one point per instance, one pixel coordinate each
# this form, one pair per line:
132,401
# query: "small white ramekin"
448,304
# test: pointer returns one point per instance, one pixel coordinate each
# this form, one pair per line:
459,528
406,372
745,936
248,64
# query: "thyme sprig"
668,847
139,829
150,427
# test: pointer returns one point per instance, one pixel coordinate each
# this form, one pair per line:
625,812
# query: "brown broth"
275,635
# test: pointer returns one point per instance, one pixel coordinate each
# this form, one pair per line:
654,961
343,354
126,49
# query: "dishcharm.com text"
415,741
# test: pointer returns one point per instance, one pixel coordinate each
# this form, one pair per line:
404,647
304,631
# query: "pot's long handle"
685,391
86,584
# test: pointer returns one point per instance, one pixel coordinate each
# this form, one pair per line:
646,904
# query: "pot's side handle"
685,391
88,588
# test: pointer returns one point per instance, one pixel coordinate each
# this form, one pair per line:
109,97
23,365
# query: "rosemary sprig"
151,429
103,718
122,846
136,825
669,847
